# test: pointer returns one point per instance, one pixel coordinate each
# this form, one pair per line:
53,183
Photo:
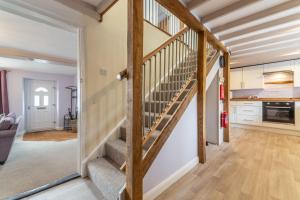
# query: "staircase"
160,106
168,85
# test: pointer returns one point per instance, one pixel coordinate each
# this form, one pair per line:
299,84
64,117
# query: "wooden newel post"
201,95
227,93
134,172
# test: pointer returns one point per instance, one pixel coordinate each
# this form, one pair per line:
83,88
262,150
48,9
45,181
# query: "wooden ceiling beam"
259,27
276,47
104,6
8,52
195,3
82,7
261,36
277,40
228,9
257,16
182,12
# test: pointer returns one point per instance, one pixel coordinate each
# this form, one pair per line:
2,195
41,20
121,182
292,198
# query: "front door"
41,104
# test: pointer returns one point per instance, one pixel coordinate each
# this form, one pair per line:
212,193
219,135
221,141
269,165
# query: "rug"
56,136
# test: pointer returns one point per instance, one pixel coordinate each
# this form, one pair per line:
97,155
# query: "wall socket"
103,72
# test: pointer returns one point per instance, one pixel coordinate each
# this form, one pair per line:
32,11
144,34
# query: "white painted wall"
15,83
179,151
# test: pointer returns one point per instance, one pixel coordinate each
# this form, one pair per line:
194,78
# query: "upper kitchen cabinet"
297,74
236,78
253,77
279,66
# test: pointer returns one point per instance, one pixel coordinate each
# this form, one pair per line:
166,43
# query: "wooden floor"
255,165
50,136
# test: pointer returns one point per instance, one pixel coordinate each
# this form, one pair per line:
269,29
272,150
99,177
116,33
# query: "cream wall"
106,50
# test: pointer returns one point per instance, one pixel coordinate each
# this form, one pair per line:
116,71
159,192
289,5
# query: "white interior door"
41,104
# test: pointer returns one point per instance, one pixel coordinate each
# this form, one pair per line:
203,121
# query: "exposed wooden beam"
226,74
8,52
134,139
257,16
180,11
274,33
259,27
195,3
82,7
201,95
277,40
268,48
266,57
228,9
104,6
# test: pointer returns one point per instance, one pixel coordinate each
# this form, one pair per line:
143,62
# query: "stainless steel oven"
282,112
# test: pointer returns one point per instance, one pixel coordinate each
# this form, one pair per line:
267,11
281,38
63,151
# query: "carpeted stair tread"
107,178
116,151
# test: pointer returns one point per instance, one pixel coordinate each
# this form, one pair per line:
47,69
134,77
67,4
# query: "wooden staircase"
163,107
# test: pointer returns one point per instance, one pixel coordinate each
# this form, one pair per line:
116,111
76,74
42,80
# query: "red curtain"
4,108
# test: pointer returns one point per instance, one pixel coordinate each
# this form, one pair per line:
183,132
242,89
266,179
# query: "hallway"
255,165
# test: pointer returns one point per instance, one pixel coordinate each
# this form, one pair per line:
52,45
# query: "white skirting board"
164,185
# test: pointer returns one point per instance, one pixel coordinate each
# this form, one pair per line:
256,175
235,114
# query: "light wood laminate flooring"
255,165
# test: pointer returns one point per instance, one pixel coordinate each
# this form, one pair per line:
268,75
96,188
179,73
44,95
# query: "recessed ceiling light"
41,61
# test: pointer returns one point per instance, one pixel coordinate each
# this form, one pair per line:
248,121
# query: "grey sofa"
6,140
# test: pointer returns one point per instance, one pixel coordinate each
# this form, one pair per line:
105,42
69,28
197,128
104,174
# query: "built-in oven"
282,112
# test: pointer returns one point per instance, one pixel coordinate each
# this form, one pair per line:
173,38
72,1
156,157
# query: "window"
46,100
36,100
41,89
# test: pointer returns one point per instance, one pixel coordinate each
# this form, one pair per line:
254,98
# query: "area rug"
56,136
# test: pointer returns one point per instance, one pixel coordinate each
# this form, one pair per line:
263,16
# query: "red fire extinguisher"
222,95
224,119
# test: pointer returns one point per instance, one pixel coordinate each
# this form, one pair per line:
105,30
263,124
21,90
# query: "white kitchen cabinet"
253,77
279,66
236,79
297,74
233,114
297,114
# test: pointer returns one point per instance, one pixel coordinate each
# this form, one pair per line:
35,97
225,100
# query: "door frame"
26,113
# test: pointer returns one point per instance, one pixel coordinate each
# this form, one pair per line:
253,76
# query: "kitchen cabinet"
253,77
236,78
279,66
246,112
297,74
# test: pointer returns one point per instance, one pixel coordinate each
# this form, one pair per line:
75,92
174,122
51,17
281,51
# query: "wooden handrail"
172,39
181,12
212,62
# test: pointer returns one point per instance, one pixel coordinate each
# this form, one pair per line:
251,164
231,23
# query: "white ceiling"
31,35
93,2
265,39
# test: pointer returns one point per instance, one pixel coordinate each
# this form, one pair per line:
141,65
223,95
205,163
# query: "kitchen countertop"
266,99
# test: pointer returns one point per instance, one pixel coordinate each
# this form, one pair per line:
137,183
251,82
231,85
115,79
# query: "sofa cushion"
5,124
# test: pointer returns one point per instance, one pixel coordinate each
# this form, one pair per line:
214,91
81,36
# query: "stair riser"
115,155
155,107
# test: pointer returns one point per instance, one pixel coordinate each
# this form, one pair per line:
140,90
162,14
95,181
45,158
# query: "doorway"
40,105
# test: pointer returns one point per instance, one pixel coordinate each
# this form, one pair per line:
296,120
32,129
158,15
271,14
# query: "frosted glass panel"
36,100
46,100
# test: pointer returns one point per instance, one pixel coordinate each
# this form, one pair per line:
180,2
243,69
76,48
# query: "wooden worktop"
267,99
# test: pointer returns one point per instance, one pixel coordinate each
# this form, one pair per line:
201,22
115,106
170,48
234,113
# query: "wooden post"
134,172
201,95
227,91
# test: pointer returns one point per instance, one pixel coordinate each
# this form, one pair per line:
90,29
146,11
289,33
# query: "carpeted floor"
50,136
32,164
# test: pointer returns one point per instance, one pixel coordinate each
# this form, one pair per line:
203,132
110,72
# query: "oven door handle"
278,107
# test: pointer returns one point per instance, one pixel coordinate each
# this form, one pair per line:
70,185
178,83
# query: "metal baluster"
144,97
149,114
155,94
159,83
165,91
172,80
